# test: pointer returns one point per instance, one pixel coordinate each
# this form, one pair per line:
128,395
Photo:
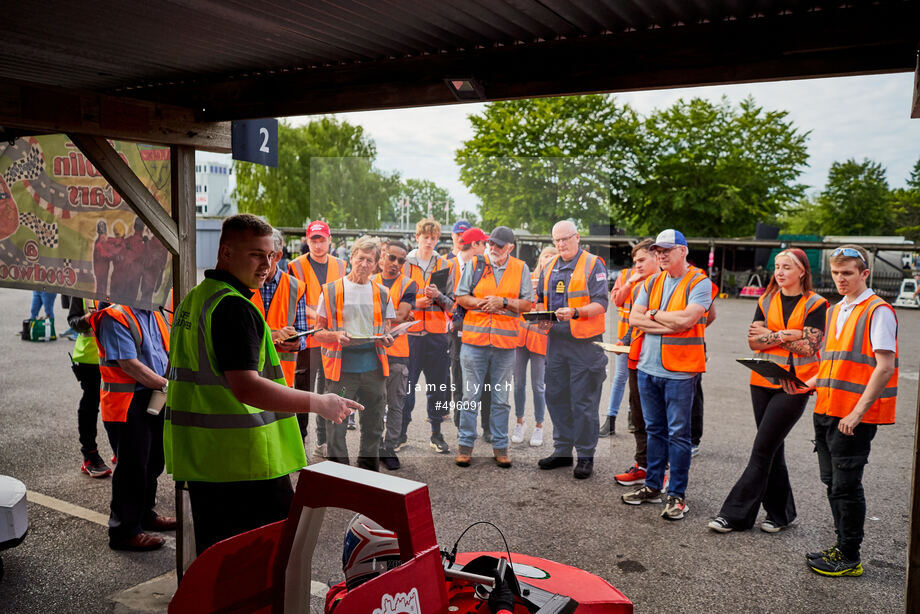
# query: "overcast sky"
849,117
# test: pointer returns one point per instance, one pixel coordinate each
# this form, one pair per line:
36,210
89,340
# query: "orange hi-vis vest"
301,269
577,296
400,347
117,387
501,329
806,367
431,319
282,312
636,335
623,310
847,363
334,299
680,352
530,335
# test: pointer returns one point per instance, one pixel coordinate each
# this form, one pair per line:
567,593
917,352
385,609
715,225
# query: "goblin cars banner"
64,229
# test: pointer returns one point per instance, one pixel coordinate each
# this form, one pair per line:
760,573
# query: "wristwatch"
575,314
504,303
651,314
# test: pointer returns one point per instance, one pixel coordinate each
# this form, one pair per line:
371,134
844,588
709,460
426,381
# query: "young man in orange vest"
670,310
355,313
402,297
133,354
281,302
314,269
428,339
574,286
490,340
857,385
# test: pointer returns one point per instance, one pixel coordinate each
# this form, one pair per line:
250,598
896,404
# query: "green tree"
714,169
325,170
856,200
906,206
534,162
420,192
803,218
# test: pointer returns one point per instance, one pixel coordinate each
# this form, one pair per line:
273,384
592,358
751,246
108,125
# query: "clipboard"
439,278
305,333
770,370
616,348
537,316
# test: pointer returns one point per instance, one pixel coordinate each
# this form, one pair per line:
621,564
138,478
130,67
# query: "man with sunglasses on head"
402,295
490,340
671,313
574,286
857,386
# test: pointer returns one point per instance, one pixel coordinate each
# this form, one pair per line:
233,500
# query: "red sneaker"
631,477
95,468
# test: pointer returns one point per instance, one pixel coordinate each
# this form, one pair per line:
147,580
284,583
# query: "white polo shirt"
883,330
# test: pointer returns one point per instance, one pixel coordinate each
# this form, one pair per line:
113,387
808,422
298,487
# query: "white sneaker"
518,435
320,451
537,438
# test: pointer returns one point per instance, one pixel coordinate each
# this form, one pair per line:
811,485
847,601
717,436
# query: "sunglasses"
494,244
396,259
849,252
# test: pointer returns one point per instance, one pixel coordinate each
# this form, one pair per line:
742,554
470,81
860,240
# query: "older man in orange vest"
574,286
281,301
314,269
671,312
494,289
857,384
133,346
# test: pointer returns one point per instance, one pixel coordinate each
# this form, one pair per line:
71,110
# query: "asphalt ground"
65,565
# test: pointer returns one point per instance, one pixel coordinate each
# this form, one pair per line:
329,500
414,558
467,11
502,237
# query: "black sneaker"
583,468
811,556
350,425
487,435
390,461
720,525
438,444
402,443
608,428
95,467
554,462
836,564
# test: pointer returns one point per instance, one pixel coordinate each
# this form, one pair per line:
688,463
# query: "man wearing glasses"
402,296
490,340
857,385
574,286
670,312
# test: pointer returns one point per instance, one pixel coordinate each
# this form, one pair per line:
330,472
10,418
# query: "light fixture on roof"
466,89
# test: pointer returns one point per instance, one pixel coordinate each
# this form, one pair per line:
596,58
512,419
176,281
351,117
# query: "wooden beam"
107,161
38,109
182,189
915,107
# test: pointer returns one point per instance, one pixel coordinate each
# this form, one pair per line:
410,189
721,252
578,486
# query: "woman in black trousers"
788,329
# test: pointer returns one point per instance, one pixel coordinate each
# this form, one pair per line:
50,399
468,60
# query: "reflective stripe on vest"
577,296
334,301
623,310
209,435
431,319
771,305
400,347
847,363
283,313
85,351
116,389
301,269
499,330
680,352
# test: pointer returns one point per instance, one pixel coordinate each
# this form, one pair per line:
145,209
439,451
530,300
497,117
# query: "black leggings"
765,480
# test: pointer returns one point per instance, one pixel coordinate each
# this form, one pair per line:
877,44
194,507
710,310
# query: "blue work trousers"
666,408
575,374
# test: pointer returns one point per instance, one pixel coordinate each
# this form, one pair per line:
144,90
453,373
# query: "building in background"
213,189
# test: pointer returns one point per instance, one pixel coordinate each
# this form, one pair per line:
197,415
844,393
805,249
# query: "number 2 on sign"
264,133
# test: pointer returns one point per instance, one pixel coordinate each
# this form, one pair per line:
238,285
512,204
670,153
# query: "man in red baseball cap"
314,269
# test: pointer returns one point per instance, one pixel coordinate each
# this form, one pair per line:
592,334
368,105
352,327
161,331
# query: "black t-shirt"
815,319
236,327
319,269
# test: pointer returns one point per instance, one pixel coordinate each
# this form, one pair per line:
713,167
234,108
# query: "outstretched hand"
333,407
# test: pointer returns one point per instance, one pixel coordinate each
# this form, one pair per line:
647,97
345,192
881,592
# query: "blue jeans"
537,385
43,299
485,365
666,408
620,375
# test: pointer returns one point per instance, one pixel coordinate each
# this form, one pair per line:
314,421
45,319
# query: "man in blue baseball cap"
460,226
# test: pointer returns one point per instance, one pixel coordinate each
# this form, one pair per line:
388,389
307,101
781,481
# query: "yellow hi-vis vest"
209,435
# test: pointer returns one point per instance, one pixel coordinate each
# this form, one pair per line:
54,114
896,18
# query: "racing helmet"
369,551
